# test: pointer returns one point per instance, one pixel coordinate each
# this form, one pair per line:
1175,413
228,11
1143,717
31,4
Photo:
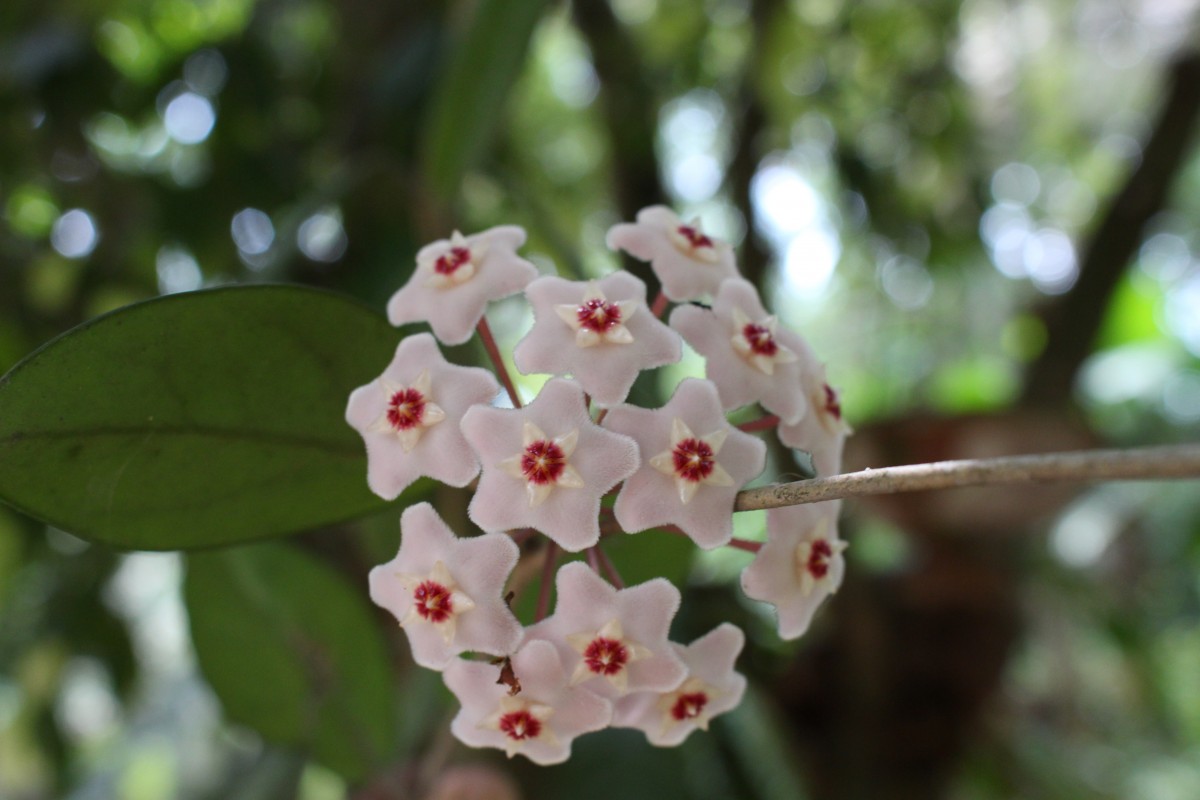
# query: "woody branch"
1180,461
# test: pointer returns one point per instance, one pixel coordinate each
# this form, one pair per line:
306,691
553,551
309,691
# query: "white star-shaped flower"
613,342
712,688
538,439
747,354
800,564
688,263
456,278
446,592
613,641
409,418
693,480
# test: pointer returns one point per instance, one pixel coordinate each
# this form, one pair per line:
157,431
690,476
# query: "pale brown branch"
1178,461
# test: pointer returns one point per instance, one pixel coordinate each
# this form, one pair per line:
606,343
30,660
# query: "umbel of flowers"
603,657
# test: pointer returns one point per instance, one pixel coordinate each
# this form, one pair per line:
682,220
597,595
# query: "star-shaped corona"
691,460
595,320
409,411
755,341
543,463
455,264
520,721
605,653
436,600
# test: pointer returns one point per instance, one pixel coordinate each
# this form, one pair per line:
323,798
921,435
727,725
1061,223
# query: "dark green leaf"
196,419
473,91
293,652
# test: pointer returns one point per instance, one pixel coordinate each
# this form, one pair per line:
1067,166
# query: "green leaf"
293,651
473,90
196,419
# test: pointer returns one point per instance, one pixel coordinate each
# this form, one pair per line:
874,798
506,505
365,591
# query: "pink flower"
546,466
599,331
799,566
688,263
447,592
822,432
456,278
711,688
409,418
540,722
749,357
697,463
613,642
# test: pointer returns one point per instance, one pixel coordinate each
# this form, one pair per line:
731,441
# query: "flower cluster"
578,464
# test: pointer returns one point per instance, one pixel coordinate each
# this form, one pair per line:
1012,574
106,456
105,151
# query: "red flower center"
448,263
832,407
405,409
819,554
433,601
598,315
693,459
606,656
520,725
689,706
762,343
543,462
694,237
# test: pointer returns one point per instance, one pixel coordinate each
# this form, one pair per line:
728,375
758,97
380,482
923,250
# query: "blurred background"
982,214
